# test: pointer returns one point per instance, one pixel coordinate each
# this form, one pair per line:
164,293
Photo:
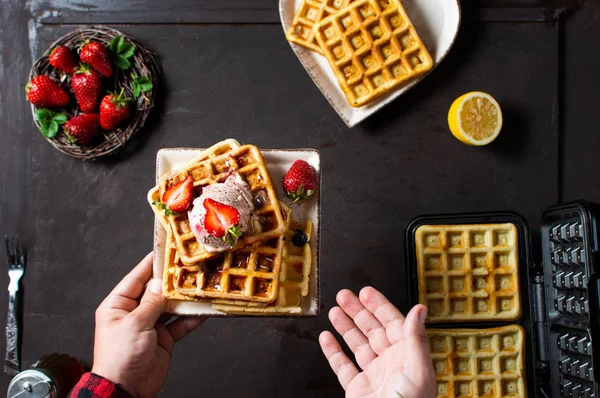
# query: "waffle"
479,362
154,195
307,16
250,273
372,47
293,279
468,272
215,167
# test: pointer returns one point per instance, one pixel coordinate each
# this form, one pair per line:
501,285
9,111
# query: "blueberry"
299,239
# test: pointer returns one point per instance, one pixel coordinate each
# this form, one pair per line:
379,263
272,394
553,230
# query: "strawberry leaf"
114,44
45,125
43,114
59,118
122,62
140,84
70,138
49,121
126,49
122,50
52,129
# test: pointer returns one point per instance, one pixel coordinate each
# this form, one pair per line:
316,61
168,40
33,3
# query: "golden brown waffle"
372,47
154,195
479,362
172,261
293,279
469,272
213,168
250,273
307,16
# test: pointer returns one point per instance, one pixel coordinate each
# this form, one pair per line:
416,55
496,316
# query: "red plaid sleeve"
92,385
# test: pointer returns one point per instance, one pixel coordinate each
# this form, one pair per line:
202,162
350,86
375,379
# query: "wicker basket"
142,64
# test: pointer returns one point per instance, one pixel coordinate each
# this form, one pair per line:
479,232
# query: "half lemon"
475,118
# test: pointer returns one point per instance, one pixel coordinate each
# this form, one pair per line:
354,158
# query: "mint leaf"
122,62
59,118
163,207
43,114
52,129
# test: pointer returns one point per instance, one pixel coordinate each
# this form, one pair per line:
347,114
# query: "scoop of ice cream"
233,192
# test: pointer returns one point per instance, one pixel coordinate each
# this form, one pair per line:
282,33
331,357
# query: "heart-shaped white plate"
436,21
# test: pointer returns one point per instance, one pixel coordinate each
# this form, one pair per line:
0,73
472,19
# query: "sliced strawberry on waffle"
221,221
179,196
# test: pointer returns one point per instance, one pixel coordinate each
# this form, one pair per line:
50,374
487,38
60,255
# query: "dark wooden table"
229,72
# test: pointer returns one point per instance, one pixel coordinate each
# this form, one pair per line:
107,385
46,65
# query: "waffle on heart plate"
237,230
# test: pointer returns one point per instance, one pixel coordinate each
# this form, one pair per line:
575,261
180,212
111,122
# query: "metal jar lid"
31,384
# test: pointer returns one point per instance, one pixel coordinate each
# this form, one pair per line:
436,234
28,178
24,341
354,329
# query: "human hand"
131,347
390,349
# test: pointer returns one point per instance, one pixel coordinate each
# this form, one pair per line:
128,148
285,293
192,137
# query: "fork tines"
14,251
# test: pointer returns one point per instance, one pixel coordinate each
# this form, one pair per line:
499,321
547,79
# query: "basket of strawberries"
92,91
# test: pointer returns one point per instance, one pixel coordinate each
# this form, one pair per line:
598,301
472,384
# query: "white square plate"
278,162
437,23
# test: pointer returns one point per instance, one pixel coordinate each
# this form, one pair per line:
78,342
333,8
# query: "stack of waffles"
262,273
371,45
468,276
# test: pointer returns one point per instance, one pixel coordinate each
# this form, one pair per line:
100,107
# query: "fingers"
183,326
364,320
133,284
386,313
341,365
356,340
151,306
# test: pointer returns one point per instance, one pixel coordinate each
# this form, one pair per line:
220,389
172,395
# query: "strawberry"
113,110
300,181
62,58
86,84
221,221
97,56
179,196
81,129
45,93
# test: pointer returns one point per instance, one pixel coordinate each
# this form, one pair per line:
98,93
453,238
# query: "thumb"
414,325
152,305
416,336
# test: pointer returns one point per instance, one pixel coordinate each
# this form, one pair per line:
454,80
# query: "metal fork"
16,269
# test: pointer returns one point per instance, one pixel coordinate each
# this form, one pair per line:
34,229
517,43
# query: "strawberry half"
179,196
221,221
300,181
